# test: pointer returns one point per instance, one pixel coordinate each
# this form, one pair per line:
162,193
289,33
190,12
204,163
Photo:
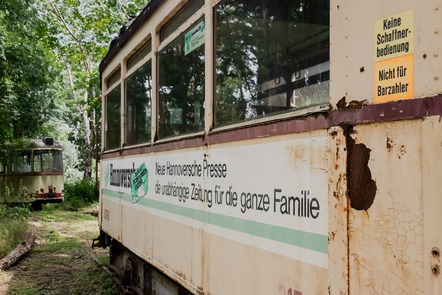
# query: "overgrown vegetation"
13,220
62,262
13,226
80,194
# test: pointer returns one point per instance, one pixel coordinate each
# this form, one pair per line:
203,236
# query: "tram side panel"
249,215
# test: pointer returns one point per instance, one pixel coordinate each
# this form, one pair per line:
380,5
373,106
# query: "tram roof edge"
127,30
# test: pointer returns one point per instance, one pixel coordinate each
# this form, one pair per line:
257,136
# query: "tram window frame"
136,112
47,160
172,115
112,136
261,108
22,162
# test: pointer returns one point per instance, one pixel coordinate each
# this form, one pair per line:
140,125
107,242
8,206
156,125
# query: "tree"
28,79
79,33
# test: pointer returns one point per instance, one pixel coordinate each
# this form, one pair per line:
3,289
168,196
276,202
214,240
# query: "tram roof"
44,143
128,30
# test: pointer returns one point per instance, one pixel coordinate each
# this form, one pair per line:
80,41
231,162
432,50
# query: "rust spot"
362,69
341,103
361,188
389,144
332,236
356,104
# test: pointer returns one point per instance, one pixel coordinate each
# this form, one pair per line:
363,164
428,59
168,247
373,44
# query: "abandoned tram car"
274,147
33,172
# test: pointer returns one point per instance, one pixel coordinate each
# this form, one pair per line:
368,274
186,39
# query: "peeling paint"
361,187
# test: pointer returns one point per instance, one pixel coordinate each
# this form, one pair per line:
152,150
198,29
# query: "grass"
13,226
60,262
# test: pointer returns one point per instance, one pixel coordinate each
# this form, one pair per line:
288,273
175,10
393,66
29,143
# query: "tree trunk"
87,137
18,252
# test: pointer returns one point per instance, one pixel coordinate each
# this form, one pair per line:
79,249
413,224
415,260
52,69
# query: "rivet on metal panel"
436,77
424,56
436,30
435,252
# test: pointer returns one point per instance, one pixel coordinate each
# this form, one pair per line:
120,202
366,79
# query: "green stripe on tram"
307,240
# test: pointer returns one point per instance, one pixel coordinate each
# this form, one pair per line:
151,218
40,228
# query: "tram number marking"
106,214
290,291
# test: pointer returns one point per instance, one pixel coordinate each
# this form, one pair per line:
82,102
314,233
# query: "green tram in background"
33,173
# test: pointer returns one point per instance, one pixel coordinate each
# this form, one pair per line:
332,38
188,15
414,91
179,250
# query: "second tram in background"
33,172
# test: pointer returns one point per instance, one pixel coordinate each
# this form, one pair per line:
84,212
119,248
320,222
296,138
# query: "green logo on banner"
107,176
139,183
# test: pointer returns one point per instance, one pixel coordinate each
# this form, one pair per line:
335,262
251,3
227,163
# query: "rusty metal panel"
338,213
386,230
432,191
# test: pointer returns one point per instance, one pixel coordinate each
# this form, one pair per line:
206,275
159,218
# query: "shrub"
80,193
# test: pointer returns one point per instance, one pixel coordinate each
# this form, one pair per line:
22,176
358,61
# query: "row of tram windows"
32,161
270,57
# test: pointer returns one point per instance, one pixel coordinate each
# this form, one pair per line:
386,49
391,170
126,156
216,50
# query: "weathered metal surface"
386,239
338,275
432,204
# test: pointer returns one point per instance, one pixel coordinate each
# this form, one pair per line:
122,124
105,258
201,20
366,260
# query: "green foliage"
28,78
13,226
80,194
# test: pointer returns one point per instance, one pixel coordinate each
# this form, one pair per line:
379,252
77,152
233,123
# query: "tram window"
271,57
115,78
113,118
188,10
139,55
48,161
181,83
139,105
21,163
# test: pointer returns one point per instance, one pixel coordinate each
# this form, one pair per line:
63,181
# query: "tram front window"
271,57
48,161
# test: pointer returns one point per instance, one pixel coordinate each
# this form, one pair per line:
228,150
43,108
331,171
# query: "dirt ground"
62,261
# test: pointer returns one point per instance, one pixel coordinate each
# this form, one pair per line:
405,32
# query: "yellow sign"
394,79
394,57
394,35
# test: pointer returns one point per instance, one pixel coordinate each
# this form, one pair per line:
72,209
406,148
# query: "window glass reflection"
181,83
271,57
139,105
113,118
